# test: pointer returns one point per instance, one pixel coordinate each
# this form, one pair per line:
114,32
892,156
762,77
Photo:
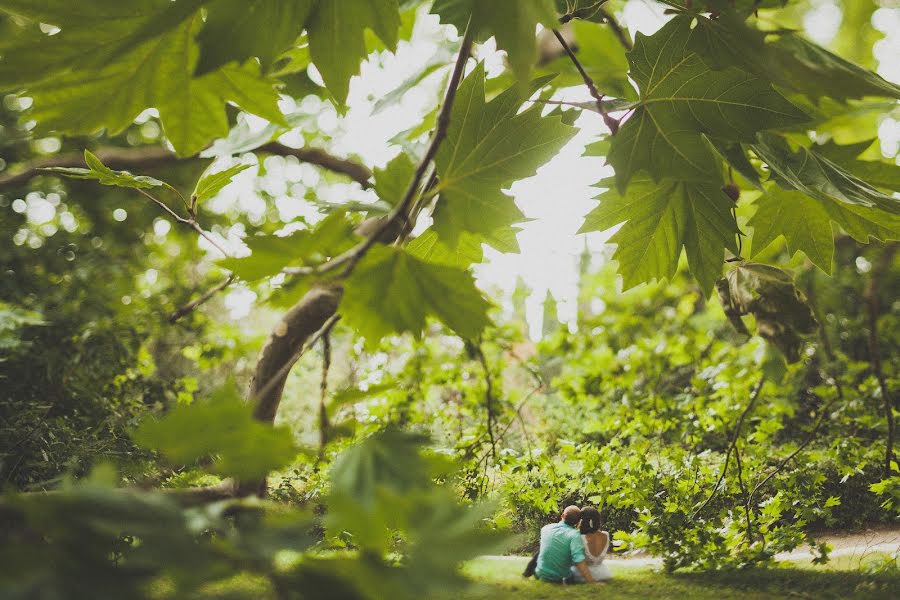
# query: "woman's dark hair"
590,520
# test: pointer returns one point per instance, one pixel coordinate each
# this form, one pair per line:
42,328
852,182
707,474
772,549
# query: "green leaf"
157,73
488,147
807,171
236,30
392,181
440,59
270,254
790,61
806,224
661,219
106,176
874,172
337,42
211,184
512,22
769,294
243,447
392,291
372,481
195,114
354,395
430,248
683,99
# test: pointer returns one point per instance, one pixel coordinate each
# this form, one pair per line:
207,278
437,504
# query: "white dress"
599,570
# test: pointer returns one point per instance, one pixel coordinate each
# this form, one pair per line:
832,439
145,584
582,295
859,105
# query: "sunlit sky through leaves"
555,200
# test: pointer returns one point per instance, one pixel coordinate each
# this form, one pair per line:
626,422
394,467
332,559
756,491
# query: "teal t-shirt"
561,547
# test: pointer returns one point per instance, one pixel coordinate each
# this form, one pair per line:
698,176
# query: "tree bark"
280,350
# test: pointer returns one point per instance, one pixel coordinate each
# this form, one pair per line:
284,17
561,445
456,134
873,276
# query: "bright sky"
556,199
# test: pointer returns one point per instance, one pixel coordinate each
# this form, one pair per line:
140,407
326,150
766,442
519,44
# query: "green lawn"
842,579
498,579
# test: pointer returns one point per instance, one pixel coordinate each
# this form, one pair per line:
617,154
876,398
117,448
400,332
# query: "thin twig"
203,298
610,122
188,222
349,259
619,32
734,439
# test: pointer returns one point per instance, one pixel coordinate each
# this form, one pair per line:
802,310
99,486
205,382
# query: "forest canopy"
259,315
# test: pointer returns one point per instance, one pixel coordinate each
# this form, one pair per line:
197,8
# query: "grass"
843,578
497,579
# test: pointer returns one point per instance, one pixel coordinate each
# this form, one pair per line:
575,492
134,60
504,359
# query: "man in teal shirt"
561,548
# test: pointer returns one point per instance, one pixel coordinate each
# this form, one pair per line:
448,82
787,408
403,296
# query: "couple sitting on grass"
572,550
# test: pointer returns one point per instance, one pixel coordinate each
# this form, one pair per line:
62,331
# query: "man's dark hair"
590,520
572,517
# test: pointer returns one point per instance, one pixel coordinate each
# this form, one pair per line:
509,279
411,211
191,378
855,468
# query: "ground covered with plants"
263,334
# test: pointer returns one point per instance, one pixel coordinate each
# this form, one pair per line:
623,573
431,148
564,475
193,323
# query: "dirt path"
857,545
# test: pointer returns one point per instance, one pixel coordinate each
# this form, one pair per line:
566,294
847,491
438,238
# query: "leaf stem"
610,122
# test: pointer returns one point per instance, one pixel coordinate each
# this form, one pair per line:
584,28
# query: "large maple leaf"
682,102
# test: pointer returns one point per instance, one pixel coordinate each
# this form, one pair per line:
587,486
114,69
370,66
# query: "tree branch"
202,299
611,123
143,158
734,439
619,32
401,210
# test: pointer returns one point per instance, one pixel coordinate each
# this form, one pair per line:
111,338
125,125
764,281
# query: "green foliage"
790,60
272,253
488,146
819,178
661,219
806,224
232,31
512,22
372,302
336,41
682,101
211,184
223,427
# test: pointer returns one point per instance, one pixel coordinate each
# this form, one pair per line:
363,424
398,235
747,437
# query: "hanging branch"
734,439
143,158
611,123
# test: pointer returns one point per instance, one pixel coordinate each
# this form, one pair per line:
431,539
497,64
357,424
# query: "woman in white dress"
596,543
